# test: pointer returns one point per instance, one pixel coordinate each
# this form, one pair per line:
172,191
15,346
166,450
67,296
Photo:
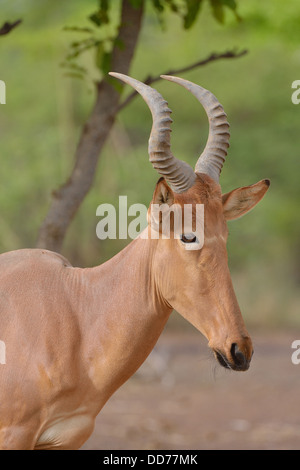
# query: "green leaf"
77,29
218,10
192,11
100,17
79,47
158,5
99,55
96,18
230,4
233,6
173,6
106,62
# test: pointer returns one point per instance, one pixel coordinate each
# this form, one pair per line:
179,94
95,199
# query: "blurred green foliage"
46,108
101,34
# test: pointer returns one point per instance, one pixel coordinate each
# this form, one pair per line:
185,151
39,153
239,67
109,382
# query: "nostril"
237,356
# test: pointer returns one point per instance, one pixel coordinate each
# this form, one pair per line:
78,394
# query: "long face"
196,282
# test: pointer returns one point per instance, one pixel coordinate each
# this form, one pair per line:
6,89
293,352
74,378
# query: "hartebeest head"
197,283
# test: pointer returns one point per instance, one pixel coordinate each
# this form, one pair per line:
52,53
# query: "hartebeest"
73,336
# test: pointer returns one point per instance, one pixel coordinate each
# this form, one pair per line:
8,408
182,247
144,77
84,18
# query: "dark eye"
188,238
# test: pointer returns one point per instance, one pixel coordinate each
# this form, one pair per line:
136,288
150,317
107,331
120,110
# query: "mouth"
237,365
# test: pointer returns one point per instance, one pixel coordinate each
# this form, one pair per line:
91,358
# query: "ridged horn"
213,156
179,174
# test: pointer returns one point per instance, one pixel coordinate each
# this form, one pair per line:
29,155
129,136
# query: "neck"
127,316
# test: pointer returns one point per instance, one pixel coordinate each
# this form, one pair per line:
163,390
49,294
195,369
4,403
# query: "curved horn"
179,174
213,156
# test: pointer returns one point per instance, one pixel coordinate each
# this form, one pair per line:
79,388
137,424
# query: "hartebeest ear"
238,202
163,194
163,197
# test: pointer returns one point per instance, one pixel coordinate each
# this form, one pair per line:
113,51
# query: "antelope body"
73,336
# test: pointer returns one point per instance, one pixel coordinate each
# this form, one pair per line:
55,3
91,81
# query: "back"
39,329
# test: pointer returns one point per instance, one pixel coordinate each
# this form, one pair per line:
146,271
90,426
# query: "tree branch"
212,58
67,199
8,27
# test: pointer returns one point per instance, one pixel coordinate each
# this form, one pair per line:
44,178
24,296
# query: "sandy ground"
182,399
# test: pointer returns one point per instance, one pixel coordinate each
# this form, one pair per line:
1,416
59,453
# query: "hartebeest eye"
188,238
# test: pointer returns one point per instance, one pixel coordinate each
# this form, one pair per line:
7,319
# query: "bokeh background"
39,131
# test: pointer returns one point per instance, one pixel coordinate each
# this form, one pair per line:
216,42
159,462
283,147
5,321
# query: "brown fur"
73,336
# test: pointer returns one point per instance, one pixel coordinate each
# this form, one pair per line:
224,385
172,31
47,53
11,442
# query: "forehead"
203,189
207,192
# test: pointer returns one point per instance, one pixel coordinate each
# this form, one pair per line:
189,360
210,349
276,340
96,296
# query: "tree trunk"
67,199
